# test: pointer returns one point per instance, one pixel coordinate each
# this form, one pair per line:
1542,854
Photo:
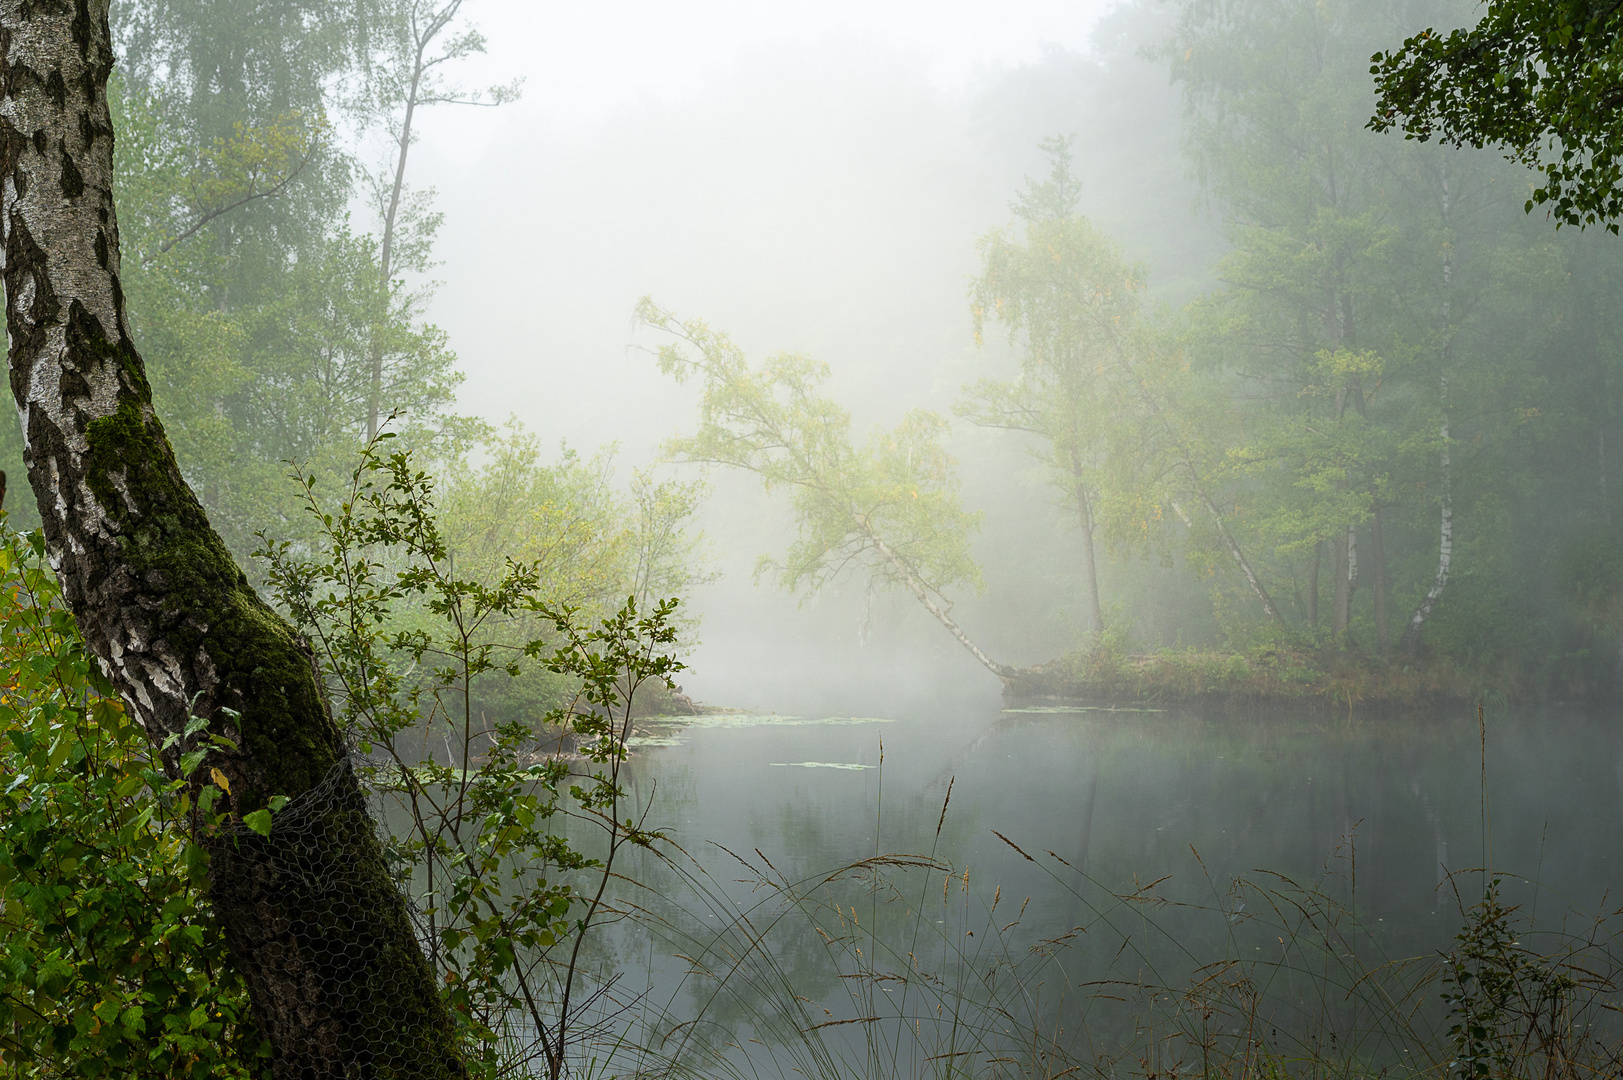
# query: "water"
1125,796
1149,844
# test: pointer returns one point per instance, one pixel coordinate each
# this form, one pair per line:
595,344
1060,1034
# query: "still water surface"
1385,818
1125,796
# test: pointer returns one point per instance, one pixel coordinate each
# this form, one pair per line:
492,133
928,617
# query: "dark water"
1125,796
1150,845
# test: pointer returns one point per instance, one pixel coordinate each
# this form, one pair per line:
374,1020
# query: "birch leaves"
889,508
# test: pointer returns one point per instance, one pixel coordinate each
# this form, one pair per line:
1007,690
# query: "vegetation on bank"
898,963
1261,678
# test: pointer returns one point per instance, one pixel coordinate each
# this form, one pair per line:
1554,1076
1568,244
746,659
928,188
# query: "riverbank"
1270,678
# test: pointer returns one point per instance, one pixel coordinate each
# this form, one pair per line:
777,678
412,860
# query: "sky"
807,179
583,62
807,175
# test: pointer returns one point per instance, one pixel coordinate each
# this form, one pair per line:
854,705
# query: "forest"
1251,359
1377,429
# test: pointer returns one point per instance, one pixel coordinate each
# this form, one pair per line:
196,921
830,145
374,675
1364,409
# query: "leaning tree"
338,981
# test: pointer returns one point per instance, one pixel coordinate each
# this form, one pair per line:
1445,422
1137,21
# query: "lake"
1111,880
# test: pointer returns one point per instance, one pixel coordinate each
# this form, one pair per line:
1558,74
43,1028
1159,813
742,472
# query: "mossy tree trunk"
338,981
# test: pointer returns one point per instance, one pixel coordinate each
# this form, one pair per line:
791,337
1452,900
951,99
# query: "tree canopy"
1541,78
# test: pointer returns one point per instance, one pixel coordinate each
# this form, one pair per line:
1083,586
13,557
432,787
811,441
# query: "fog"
1100,469
808,185
1273,341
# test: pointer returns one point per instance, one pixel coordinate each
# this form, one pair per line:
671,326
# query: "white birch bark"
1192,474
310,912
1445,547
899,567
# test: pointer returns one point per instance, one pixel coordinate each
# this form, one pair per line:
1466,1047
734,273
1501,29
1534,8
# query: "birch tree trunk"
921,592
1445,544
1090,564
1195,482
310,914
1445,549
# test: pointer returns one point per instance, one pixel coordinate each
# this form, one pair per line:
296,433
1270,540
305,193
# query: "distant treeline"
1386,433
1387,429
1381,437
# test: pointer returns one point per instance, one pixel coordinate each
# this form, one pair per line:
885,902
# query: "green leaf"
259,821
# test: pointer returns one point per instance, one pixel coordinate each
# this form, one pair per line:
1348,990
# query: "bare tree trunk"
1313,585
374,398
1445,545
310,913
1377,560
1238,556
1445,548
1343,597
1229,543
1090,566
1193,476
1352,562
922,593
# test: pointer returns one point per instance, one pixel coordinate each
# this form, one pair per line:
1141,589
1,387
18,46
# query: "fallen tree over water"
889,508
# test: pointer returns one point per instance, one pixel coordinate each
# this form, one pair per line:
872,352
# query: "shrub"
109,963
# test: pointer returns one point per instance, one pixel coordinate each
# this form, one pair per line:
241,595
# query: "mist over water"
1287,447
1123,796
1216,826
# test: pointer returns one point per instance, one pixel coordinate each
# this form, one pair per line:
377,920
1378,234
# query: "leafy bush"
412,641
109,964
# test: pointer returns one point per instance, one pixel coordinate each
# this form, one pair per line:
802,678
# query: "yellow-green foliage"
890,506
562,518
588,545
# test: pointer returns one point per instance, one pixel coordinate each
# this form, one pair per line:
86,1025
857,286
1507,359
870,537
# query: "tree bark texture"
338,981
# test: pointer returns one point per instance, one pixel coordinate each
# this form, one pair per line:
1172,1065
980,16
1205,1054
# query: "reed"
902,964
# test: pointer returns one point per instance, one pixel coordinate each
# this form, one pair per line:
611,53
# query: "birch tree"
420,41
1063,293
309,911
890,508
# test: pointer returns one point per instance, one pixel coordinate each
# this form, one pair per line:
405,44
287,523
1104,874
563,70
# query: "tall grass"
902,965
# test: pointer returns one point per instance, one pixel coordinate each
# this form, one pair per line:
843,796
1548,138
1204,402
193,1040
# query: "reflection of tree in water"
1351,821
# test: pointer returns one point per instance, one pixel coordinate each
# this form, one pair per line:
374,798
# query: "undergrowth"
717,963
1267,675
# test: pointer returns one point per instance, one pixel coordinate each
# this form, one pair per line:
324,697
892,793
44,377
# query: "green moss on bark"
315,897
264,671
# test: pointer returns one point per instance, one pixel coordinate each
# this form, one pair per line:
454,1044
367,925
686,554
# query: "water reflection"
1119,835
1134,796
